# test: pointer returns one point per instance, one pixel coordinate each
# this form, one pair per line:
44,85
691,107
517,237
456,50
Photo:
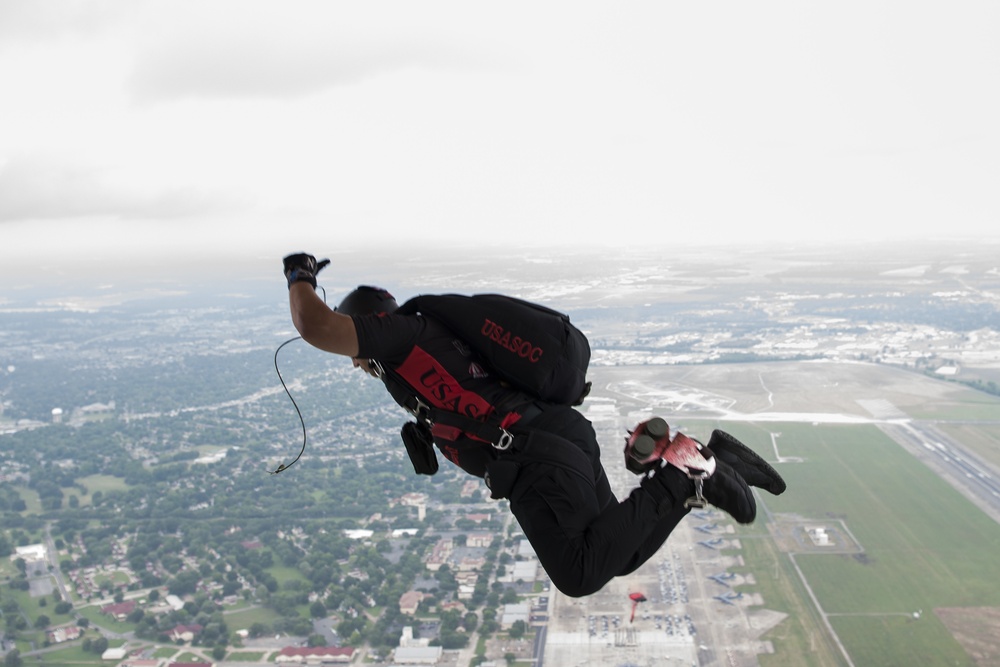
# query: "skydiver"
552,476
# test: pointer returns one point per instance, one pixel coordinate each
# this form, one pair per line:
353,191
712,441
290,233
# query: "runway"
968,473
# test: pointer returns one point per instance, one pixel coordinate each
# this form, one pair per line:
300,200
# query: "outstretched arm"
318,324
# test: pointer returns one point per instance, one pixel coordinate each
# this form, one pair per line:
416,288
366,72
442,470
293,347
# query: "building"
471,564
513,613
417,655
120,611
409,601
64,634
440,554
452,604
315,655
418,500
115,654
407,639
819,536
185,633
408,532
524,570
30,553
525,550
358,533
480,540
139,662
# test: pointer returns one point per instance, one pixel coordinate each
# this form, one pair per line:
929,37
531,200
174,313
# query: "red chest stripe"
439,388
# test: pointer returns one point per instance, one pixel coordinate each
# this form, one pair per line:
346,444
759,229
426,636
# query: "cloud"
33,190
29,20
255,50
247,68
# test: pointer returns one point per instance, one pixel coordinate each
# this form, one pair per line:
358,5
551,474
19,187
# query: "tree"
99,645
317,609
13,659
42,621
517,629
470,621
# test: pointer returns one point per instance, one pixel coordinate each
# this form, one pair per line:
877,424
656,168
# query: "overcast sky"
165,128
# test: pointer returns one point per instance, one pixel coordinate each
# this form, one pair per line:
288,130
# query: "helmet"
366,300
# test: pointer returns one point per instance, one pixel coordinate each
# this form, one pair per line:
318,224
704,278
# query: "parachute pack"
534,348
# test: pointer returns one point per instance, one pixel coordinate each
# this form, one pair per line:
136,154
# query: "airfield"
880,551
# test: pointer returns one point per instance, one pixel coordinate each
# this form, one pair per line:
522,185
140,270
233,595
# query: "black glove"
301,266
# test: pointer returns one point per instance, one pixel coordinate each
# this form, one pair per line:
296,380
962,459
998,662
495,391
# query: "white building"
513,613
417,655
819,536
525,549
406,640
114,654
524,570
30,553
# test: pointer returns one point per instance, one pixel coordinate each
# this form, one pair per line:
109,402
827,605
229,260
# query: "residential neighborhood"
143,522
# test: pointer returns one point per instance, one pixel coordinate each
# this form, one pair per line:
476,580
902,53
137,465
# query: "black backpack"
534,348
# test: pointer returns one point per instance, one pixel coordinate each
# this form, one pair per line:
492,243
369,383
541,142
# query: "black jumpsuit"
583,536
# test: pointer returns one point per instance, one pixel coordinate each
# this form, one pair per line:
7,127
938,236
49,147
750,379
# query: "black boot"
728,491
746,462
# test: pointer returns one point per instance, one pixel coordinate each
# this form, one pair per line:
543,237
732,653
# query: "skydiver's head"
367,300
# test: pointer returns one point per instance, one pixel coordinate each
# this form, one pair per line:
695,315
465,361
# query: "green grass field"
925,546
103,483
246,618
71,655
31,500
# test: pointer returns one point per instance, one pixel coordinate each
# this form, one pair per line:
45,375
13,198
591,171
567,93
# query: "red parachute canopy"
636,599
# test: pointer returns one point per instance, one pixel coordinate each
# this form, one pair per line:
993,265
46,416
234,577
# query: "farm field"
909,552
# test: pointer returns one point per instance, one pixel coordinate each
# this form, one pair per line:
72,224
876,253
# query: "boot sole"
729,445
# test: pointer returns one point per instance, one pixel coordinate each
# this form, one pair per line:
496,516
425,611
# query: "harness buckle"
698,499
504,442
420,410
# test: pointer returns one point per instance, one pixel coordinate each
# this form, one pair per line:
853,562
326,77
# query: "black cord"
302,421
296,406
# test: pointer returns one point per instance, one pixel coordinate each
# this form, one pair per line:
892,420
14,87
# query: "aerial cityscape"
139,425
